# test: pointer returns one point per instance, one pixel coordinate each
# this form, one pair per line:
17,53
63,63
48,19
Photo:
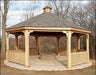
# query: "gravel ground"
5,70
47,63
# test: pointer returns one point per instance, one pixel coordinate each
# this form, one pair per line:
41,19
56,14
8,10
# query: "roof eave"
80,30
15,29
48,28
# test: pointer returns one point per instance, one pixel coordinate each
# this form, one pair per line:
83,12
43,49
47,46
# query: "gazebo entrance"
55,35
47,45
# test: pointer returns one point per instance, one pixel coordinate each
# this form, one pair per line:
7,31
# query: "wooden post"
87,45
78,42
26,33
7,45
58,52
69,49
16,42
37,43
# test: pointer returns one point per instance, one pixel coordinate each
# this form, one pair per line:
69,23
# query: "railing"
16,56
79,58
32,51
62,52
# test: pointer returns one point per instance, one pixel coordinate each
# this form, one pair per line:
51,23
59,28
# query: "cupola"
47,9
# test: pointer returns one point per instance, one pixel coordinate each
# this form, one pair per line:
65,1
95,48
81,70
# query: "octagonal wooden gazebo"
47,24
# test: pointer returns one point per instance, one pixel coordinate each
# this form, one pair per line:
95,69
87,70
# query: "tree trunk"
4,20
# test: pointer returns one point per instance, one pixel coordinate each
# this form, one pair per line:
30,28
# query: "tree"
29,12
60,8
76,12
0,24
4,20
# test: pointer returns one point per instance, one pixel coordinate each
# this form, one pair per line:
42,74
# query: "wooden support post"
7,45
69,48
87,46
78,42
26,33
37,44
16,42
58,52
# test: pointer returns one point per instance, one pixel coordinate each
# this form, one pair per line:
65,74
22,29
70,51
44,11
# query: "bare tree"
0,17
61,8
4,20
91,26
30,12
0,24
83,15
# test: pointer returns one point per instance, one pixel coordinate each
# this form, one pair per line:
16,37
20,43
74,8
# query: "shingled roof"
46,20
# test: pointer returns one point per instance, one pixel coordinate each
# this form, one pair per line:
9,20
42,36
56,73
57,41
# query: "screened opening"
83,43
47,45
11,42
63,46
74,43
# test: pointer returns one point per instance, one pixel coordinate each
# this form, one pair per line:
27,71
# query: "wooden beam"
78,42
7,45
36,37
48,35
48,29
64,32
15,29
69,48
58,52
87,45
16,41
57,29
80,30
26,33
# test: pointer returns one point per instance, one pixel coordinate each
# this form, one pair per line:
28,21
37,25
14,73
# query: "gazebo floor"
48,63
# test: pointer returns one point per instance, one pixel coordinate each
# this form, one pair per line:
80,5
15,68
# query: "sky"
16,10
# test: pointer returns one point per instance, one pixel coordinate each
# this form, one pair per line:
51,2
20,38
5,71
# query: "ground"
5,70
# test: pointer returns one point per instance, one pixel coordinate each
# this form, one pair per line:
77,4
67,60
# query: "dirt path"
5,70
